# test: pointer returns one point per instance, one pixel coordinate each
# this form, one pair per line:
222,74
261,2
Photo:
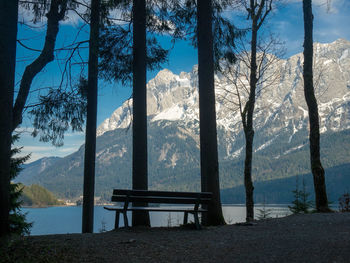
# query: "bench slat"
159,200
156,209
162,193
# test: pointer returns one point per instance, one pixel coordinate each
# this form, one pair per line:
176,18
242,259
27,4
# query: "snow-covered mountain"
281,129
280,107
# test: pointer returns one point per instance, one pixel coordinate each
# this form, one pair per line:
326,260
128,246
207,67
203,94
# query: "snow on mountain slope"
280,107
281,130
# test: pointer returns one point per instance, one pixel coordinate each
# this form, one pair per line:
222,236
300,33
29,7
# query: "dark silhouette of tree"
257,12
8,32
55,14
237,95
207,114
309,92
18,221
184,20
57,103
139,124
116,48
91,119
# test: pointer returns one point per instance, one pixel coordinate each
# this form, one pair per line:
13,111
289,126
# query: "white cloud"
38,152
37,149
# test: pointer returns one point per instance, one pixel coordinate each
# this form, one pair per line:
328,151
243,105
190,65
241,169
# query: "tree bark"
54,16
8,33
314,135
207,114
257,12
139,125
248,127
91,119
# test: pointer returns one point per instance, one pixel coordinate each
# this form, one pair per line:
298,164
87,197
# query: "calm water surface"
63,220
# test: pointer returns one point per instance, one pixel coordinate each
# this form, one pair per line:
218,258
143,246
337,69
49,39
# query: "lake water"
63,220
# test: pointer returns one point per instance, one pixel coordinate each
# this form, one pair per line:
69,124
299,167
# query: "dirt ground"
296,238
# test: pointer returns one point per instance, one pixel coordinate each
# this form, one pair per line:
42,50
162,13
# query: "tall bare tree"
8,32
236,94
309,92
207,115
139,124
257,12
91,119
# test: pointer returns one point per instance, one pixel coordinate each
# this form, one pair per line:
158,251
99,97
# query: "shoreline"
112,204
65,205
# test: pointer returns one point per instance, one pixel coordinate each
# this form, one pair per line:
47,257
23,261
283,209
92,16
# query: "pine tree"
301,203
8,33
18,223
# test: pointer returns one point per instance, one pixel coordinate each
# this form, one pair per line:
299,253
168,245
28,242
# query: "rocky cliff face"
280,106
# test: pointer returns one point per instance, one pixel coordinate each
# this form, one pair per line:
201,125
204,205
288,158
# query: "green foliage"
116,41
38,196
116,54
344,203
264,212
58,111
174,18
184,17
301,204
18,223
39,8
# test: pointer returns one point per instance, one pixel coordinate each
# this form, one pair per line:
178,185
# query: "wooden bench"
159,197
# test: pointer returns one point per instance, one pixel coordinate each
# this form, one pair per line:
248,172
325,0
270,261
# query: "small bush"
264,212
344,203
301,204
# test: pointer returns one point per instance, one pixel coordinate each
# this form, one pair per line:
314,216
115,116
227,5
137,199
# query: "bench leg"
116,222
126,222
185,218
196,220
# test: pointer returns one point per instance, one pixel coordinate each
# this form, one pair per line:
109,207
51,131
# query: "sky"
286,22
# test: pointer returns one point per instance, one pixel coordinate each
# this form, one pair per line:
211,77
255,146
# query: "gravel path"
296,238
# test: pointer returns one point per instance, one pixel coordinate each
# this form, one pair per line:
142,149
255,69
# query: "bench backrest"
165,197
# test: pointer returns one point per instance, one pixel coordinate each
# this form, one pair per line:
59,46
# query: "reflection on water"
62,220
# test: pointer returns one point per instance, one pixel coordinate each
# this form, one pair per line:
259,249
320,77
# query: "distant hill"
280,191
266,169
33,168
37,196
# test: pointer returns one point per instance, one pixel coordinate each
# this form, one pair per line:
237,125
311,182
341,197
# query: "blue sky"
286,22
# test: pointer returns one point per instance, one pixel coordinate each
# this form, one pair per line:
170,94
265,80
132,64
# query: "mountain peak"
164,75
341,41
173,97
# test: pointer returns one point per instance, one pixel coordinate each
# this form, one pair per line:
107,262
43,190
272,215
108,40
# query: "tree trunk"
90,133
8,33
139,125
54,16
314,136
248,127
207,114
248,183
